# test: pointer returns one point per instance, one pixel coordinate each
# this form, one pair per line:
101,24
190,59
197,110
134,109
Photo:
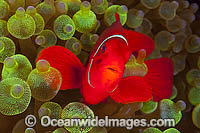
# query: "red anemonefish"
104,74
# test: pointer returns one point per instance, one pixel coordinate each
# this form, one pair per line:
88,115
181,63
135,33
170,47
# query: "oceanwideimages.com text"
46,121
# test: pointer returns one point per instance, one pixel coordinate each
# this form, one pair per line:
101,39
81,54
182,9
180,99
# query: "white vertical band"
113,36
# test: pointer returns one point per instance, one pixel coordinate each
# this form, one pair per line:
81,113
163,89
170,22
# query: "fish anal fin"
132,89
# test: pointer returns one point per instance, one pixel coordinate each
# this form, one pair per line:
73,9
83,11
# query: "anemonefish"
103,74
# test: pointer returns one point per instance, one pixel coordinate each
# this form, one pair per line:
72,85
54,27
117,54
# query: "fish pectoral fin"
132,89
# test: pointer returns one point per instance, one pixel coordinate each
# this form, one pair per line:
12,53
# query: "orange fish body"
103,75
104,72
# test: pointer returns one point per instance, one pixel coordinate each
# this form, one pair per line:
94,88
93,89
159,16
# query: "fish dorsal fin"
115,29
117,18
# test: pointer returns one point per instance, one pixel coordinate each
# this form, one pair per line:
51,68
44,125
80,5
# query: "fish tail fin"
67,63
160,77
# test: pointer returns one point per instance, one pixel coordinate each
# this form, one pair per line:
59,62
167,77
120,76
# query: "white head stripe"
117,36
89,74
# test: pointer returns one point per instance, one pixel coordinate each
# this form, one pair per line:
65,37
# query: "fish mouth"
113,68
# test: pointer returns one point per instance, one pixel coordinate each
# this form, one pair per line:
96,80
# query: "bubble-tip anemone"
196,116
7,48
51,109
171,130
16,66
168,110
21,25
77,110
64,27
44,81
74,45
85,20
152,130
15,96
149,107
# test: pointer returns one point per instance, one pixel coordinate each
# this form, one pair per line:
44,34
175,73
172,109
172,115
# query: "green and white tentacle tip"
46,38
46,9
17,91
174,93
109,15
51,109
85,20
21,25
3,28
179,62
64,27
76,110
7,48
88,41
164,40
44,81
30,130
60,130
74,45
171,130
152,130
167,9
39,21
16,66
194,96
149,107
4,9
73,6
145,27
61,7
193,78
122,11
176,24
169,110
99,6
134,18
196,116
15,96
150,4
42,66
10,63
192,44
180,105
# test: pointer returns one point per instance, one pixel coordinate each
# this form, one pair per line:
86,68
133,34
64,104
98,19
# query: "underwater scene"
100,66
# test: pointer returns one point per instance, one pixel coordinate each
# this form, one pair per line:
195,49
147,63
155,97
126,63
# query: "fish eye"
103,48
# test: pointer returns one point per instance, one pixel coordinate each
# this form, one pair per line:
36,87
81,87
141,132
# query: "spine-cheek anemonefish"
104,75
